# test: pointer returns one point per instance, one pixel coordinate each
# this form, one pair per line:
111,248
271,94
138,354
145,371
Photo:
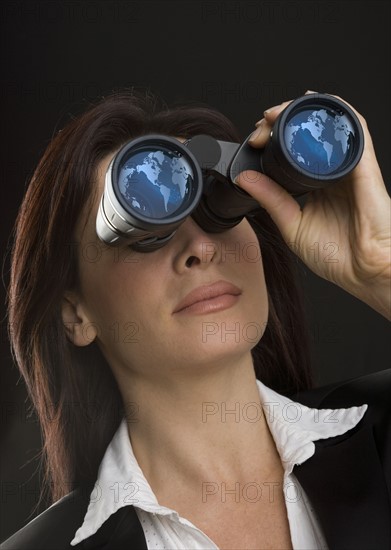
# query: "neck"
198,427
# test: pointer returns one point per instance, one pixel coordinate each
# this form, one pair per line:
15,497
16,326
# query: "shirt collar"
294,428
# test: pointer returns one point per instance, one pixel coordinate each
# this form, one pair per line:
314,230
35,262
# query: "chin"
216,353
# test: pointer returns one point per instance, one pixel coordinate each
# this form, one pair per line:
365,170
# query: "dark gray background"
238,56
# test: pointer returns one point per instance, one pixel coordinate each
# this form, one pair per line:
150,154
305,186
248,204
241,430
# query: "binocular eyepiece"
155,182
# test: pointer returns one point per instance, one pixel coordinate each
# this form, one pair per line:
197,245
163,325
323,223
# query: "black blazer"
348,481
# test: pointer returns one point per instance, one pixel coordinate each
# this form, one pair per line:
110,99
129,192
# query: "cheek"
252,274
120,308
243,249
114,292
258,297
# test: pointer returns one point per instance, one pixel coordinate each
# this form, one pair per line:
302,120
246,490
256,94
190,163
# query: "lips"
209,295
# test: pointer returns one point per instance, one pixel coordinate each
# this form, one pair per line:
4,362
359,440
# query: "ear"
79,329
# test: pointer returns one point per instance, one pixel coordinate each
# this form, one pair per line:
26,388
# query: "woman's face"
137,305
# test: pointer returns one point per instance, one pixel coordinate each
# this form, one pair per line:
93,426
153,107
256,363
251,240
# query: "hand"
343,232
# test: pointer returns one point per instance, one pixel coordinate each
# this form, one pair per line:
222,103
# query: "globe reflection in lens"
157,183
319,141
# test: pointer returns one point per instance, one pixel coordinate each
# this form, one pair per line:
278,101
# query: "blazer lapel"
345,483
122,530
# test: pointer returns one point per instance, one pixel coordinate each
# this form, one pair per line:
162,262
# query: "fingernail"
259,122
311,92
270,109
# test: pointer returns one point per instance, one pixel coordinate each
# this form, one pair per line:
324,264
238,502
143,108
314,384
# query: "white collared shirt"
294,428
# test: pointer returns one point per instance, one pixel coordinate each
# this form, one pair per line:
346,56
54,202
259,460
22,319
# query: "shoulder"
373,389
53,528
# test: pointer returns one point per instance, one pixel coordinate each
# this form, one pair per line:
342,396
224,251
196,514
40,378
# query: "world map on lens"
319,141
157,183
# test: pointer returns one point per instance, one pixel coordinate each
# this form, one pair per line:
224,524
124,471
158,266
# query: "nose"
195,249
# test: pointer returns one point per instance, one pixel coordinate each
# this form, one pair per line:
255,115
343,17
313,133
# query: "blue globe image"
319,141
156,183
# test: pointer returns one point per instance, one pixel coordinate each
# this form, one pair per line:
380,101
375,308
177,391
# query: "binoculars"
155,182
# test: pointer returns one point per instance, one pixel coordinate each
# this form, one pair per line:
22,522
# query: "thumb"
282,207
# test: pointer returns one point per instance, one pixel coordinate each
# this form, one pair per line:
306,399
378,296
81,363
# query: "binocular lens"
319,140
152,184
155,182
316,141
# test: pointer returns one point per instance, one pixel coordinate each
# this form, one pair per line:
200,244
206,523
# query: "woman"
161,379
